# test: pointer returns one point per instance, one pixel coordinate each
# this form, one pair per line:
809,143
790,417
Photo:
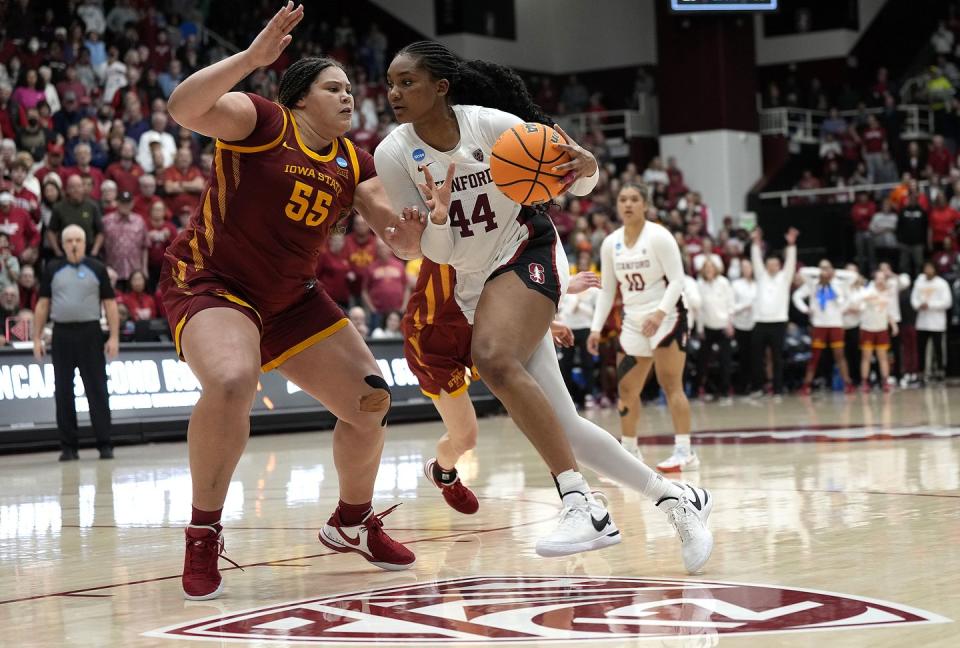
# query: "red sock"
353,514
206,518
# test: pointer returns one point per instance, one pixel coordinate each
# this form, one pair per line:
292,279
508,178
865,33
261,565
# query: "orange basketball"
522,163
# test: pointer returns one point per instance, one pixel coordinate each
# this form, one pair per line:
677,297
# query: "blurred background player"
643,259
876,325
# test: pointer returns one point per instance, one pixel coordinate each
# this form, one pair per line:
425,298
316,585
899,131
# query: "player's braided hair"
479,83
295,82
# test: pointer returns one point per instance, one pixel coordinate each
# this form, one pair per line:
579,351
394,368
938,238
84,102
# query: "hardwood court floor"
90,552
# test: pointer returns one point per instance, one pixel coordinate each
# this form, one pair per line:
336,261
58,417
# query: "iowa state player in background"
241,295
509,282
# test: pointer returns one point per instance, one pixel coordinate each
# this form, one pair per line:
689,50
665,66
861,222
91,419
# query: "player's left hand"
652,323
562,335
583,281
582,164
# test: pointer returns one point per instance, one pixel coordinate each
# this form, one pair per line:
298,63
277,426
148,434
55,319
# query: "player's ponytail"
479,83
297,79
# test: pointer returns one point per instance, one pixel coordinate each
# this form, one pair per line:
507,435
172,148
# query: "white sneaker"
682,460
584,525
689,517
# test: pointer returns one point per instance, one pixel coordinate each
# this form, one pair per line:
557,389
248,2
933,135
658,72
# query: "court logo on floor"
547,609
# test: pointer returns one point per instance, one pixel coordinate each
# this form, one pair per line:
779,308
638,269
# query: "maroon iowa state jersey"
269,205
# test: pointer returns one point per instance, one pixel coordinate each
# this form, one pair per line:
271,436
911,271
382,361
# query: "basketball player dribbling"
644,260
436,342
239,287
508,281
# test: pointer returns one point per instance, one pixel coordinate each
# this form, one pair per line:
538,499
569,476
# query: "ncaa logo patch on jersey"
341,162
537,275
478,155
419,155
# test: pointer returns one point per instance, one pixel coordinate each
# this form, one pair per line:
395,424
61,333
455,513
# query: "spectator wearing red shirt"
361,249
145,199
54,164
140,303
125,240
945,260
861,214
943,221
938,157
125,171
160,232
874,143
19,228
183,184
335,272
850,145
27,281
84,155
385,286
23,198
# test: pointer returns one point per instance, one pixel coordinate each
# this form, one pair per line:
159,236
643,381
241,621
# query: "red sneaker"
850,388
367,539
805,390
865,388
457,495
201,577
887,387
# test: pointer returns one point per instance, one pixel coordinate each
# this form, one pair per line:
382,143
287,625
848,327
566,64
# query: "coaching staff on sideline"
70,294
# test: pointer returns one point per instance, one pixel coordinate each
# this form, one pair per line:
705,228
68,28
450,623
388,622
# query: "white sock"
572,483
593,447
630,443
682,442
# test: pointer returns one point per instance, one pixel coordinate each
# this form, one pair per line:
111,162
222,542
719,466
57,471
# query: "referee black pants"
80,346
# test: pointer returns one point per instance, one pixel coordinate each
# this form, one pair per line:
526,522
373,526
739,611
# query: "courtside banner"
147,383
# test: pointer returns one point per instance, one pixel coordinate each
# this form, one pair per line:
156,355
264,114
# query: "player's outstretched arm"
203,102
402,233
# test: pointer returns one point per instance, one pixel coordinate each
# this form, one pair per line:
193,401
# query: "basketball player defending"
240,291
644,260
508,282
436,343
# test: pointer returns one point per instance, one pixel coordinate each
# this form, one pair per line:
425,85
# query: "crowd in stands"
86,139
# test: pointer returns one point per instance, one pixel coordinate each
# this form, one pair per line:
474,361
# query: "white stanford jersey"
483,221
649,273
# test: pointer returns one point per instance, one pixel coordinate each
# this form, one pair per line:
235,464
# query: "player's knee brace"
379,400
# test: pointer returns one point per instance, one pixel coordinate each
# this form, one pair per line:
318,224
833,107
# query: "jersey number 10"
299,205
635,282
482,213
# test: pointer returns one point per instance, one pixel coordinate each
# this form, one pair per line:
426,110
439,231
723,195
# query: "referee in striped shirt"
71,292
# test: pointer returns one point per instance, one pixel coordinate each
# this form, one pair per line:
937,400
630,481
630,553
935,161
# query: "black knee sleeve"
377,382
626,363
623,411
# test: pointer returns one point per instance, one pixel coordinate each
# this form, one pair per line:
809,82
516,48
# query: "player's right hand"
437,198
791,236
593,343
269,43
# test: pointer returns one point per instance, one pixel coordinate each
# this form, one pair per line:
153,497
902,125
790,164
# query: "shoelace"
683,518
375,522
203,547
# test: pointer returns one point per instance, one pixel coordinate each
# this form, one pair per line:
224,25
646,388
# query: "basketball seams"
525,168
536,176
535,183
